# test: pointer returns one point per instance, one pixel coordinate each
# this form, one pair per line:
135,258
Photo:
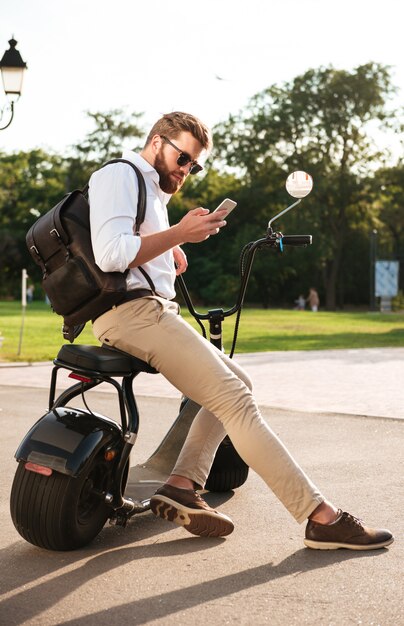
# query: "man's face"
172,175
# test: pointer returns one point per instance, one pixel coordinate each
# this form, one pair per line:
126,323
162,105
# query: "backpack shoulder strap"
141,202
141,207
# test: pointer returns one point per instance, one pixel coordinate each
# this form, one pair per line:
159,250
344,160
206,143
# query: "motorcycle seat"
101,359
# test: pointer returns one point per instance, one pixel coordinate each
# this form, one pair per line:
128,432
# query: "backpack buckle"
54,233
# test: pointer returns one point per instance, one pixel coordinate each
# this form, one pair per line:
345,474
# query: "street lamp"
12,72
372,273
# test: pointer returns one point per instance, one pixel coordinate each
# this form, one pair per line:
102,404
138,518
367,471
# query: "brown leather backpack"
60,243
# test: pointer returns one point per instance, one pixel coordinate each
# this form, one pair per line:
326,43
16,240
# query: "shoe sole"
198,522
325,545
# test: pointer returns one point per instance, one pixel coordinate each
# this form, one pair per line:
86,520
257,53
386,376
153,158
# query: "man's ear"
156,143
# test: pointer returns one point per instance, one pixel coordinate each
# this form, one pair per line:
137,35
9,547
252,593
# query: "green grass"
260,330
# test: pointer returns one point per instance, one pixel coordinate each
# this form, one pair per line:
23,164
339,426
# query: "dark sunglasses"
184,158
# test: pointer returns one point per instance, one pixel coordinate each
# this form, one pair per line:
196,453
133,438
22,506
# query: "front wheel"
59,512
228,470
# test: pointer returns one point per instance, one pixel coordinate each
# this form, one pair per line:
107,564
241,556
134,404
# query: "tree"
318,122
30,184
388,197
112,129
387,189
212,271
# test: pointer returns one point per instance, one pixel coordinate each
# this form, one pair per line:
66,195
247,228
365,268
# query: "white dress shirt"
113,194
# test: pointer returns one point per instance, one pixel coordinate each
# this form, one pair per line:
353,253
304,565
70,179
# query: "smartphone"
227,204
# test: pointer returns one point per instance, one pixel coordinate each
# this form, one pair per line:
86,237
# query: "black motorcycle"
73,469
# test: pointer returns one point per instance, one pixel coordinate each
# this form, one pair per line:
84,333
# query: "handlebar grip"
296,240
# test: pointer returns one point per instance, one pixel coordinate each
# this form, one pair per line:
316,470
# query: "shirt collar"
144,167
139,161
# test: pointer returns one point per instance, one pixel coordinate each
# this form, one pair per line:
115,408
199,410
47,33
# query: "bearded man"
148,325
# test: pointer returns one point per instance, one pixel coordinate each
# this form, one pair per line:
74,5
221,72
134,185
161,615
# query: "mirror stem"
283,212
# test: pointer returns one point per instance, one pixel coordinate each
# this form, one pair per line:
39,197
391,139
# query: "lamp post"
372,259
12,72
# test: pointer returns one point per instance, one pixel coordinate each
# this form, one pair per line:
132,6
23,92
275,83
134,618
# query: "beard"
168,183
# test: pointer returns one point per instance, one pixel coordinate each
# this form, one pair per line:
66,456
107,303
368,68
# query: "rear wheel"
58,512
228,470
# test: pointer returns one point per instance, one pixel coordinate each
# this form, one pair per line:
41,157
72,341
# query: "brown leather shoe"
346,532
186,508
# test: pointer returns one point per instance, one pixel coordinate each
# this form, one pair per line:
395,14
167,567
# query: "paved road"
155,573
354,382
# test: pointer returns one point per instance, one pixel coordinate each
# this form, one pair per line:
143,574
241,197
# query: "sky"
208,57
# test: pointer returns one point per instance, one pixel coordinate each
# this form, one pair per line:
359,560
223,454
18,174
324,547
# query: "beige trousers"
151,329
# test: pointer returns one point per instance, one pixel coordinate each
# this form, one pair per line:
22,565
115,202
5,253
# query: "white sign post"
386,282
24,277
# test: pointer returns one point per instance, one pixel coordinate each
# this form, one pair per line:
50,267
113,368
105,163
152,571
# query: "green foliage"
111,131
30,183
397,303
319,122
386,188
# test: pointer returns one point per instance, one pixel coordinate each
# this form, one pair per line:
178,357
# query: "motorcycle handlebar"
287,240
297,240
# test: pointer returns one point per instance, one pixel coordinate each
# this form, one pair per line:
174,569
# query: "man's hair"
172,124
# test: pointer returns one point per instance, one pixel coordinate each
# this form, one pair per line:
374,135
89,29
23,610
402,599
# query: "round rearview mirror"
299,184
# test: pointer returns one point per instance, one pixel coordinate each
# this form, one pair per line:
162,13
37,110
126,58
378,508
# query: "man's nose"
186,168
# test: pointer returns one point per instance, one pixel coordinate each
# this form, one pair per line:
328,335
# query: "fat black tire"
59,512
228,470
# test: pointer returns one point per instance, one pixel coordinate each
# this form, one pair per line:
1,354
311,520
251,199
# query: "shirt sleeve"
113,196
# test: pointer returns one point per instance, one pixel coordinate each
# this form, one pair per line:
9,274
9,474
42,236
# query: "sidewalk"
365,382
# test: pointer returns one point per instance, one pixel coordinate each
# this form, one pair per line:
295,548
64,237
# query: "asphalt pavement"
341,415
354,382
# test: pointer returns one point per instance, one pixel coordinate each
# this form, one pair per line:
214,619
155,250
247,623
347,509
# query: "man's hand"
180,260
198,224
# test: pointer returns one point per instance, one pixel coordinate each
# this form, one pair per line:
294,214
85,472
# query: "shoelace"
354,521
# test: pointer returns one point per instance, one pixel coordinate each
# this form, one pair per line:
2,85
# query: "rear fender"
65,438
